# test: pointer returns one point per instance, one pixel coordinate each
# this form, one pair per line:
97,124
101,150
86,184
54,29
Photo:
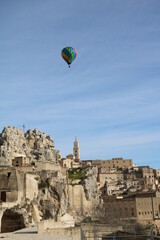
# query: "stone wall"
8,184
92,232
148,208
31,186
47,165
65,233
78,201
59,231
116,209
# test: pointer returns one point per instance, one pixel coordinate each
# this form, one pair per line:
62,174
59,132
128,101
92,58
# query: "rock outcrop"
52,197
90,185
34,145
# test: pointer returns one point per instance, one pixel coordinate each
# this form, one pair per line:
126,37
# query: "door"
3,196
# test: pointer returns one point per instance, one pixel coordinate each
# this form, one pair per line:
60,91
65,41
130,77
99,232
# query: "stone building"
68,161
118,163
20,161
156,173
135,184
143,207
148,175
116,208
113,164
113,188
8,184
109,176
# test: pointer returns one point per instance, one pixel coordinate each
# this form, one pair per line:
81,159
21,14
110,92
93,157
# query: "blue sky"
109,98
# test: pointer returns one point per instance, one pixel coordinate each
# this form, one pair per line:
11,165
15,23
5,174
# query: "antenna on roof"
23,127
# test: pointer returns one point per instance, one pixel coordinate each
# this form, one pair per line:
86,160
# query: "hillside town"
68,196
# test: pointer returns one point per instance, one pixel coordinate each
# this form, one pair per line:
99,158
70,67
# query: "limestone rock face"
52,195
34,145
90,185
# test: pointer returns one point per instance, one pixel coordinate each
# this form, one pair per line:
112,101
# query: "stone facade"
68,161
20,161
117,163
78,201
143,207
8,184
117,208
109,176
148,175
113,164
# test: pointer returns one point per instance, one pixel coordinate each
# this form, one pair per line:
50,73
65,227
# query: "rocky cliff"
52,197
34,145
36,194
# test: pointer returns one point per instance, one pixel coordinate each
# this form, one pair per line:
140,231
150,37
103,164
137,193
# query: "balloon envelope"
69,54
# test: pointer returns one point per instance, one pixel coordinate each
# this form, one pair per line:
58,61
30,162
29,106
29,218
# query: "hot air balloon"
69,54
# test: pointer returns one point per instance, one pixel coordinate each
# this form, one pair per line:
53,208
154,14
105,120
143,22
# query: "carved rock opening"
11,221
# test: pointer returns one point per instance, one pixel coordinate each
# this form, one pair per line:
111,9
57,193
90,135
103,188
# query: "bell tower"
76,153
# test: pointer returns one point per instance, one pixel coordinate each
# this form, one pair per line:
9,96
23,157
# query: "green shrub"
77,173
